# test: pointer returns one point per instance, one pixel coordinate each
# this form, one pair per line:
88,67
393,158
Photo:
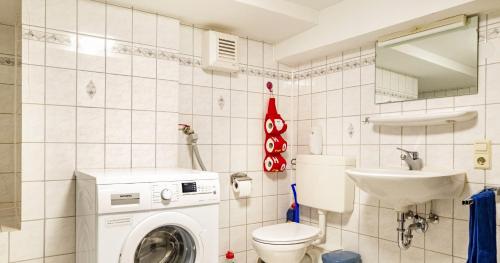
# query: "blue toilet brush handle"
296,218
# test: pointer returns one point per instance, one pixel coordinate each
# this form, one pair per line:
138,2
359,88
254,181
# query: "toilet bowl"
287,242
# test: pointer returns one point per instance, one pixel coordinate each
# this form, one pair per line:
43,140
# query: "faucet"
411,158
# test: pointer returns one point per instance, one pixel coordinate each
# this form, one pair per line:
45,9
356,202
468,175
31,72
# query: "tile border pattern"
54,38
122,49
493,32
7,61
244,69
129,49
31,34
158,53
335,67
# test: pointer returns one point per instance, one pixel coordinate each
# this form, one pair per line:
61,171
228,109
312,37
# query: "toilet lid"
286,233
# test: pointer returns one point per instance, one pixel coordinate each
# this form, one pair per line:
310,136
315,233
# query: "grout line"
77,74
104,164
342,134
359,155
44,131
156,99
133,77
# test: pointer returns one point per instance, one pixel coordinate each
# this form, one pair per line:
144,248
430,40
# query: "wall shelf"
424,119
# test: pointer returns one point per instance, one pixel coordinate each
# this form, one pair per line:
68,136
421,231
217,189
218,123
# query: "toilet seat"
285,234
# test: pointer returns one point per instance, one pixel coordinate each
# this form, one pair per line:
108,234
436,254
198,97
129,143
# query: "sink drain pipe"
404,235
417,223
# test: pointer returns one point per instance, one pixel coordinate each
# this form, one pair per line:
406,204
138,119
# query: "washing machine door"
164,238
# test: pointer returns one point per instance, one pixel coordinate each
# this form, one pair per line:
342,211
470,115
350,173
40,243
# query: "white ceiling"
9,9
265,20
315,4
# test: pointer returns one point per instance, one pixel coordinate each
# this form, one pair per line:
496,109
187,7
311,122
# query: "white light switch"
482,154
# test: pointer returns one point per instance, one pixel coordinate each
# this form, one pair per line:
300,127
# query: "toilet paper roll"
242,188
274,163
275,144
275,124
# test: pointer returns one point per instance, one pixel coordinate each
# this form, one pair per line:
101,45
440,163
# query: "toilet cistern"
411,158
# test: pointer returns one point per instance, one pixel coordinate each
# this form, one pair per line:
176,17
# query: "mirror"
10,116
434,61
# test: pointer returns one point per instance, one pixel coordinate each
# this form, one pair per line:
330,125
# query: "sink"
402,188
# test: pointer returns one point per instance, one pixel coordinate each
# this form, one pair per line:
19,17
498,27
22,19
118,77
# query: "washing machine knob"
166,194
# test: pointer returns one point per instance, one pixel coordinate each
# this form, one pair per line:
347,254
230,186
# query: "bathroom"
88,85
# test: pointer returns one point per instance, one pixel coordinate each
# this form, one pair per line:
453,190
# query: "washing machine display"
166,244
189,187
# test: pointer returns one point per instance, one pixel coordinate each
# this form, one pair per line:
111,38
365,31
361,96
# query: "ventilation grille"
227,49
220,52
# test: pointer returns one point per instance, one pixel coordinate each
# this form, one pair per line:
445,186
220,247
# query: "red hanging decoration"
275,144
274,124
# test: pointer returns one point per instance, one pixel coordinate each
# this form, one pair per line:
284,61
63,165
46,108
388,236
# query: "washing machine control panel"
173,194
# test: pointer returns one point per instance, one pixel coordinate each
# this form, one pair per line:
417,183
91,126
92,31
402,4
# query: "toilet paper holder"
240,177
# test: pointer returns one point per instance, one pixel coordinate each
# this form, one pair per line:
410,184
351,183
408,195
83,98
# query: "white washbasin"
402,188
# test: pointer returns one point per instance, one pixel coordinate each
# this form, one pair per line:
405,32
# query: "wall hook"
269,86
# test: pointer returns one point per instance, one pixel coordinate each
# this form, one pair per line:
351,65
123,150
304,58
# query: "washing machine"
147,216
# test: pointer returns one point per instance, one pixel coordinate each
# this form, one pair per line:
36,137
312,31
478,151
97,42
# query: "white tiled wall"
105,86
337,93
227,112
100,85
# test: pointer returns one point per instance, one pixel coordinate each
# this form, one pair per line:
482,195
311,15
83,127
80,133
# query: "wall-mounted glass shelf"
423,119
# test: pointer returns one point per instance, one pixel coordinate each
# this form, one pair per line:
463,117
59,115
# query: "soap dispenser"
316,140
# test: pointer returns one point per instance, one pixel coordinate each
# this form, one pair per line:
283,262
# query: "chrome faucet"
411,158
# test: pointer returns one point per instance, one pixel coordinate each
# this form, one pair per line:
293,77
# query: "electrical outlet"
482,154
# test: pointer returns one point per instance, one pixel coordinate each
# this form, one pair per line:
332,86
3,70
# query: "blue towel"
482,228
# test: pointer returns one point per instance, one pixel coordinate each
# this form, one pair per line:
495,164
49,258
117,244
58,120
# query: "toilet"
321,184
286,242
